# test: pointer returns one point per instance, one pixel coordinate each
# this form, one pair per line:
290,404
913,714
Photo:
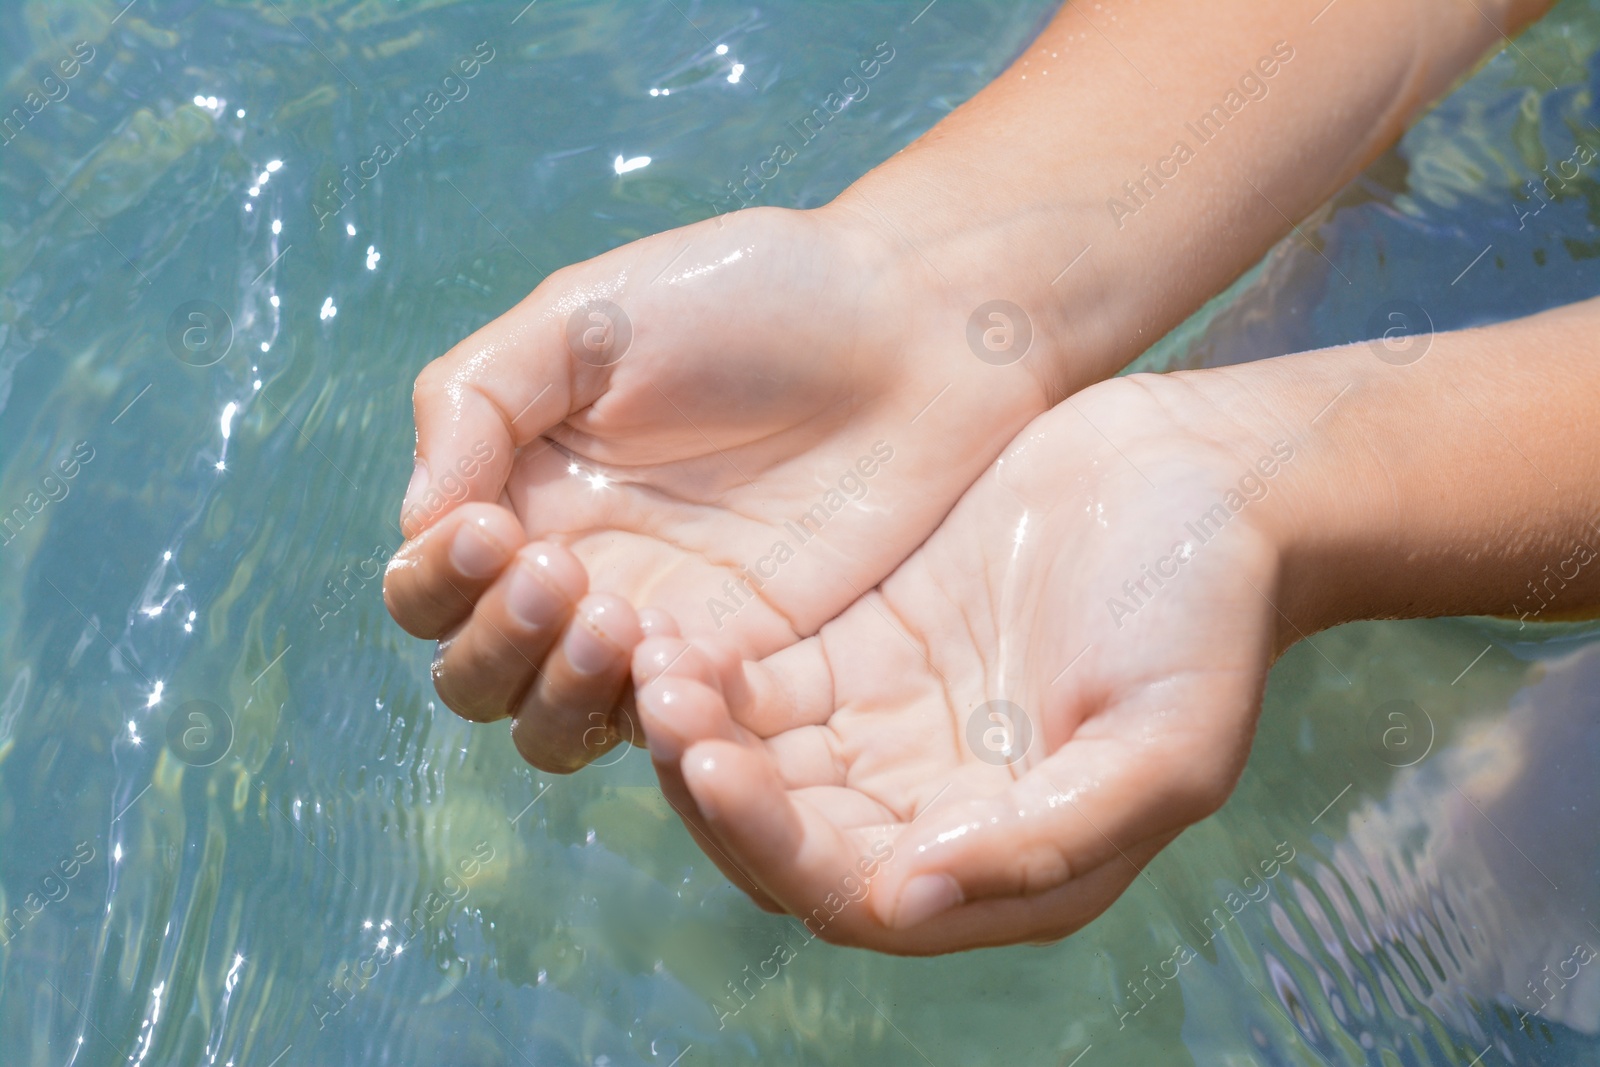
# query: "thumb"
501,389
1103,796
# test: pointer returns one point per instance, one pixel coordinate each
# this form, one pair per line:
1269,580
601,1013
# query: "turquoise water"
235,828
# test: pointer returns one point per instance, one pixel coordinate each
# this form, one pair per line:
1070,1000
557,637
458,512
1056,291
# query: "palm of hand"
986,720
714,431
750,462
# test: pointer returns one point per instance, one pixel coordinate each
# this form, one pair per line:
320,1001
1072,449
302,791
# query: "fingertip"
531,746
662,656
652,657
409,518
465,440
563,569
654,622
545,582
922,898
479,548
742,799
432,582
676,713
601,637
727,667
709,768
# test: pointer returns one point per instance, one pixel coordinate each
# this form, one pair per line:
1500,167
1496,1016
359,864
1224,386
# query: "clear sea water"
236,829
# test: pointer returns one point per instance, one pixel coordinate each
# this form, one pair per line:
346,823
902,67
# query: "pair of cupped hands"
924,687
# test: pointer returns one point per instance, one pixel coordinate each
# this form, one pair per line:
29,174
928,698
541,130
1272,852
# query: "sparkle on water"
361,878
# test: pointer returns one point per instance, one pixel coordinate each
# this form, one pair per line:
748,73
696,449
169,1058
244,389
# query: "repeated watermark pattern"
851,889
1401,332
599,333
853,88
851,486
199,332
1142,993
999,332
53,889
1400,733
448,490
999,732
199,733
1546,986
1140,590
341,193
1550,185
392,938
49,90
348,581
53,488
1544,593
1140,191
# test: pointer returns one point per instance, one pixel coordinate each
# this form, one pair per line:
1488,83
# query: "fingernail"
924,897
586,650
419,482
475,553
653,622
530,599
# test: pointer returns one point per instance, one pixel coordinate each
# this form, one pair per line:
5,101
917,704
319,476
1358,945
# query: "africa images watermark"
1251,86
454,89
392,938
851,889
49,90
441,495
851,486
1555,184
54,886
851,89
1552,984
52,489
1566,570
1233,904
1204,528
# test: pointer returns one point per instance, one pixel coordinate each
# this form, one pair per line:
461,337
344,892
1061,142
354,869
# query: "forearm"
1465,483
1169,144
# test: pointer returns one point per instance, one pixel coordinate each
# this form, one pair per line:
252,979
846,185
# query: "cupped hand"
989,747
737,427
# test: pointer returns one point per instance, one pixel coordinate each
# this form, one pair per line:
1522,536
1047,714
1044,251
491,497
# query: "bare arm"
1466,483
1167,143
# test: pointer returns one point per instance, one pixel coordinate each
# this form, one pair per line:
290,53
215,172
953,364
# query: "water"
337,871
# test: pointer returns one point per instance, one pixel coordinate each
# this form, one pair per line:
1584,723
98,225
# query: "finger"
755,698
656,657
485,667
790,688
668,710
493,393
433,581
834,877
802,860
1091,803
653,622
567,718
1045,917
665,671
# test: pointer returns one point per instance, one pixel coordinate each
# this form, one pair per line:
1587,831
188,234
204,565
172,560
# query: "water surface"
342,872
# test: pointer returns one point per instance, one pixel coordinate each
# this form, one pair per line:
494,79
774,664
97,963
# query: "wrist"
1303,494
1005,258
1442,484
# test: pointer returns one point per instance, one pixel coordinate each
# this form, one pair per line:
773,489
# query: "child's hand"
747,423
875,753
1124,575
670,411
